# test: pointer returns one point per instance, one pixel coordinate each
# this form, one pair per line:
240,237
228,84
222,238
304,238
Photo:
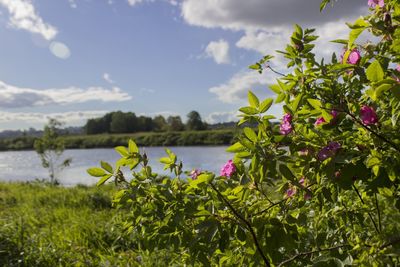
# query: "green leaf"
375,72
250,134
249,110
96,172
165,160
132,147
122,151
236,147
106,166
286,172
316,104
104,179
280,97
357,28
253,100
275,88
265,105
296,102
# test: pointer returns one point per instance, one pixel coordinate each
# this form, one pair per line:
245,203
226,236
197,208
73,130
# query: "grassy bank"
184,138
43,225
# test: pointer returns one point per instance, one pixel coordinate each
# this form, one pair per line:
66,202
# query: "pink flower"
307,196
291,192
302,181
334,113
398,67
195,173
354,57
228,169
328,151
286,126
319,121
368,115
373,3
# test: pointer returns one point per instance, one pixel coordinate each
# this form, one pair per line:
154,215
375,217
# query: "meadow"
44,225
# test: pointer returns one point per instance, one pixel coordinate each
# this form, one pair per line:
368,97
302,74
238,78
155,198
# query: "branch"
369,214
309,253
268,208
246,222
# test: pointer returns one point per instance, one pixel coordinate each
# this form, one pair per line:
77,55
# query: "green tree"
50,149
194,121
175,123
159,124
122,122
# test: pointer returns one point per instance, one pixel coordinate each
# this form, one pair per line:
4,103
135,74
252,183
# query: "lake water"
26,165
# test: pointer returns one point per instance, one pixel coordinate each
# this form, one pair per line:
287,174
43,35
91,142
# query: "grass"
42,225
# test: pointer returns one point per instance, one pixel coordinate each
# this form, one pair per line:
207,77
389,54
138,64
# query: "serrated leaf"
375,72
106,166
96,172
104,179
253,100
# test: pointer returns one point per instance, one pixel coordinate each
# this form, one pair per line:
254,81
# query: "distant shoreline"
182,138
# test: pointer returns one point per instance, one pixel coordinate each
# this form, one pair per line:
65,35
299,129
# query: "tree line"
128,122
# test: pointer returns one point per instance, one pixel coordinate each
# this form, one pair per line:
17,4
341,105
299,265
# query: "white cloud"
219,117
134,2
24,16
107,78
72,4
235,90
16,97
60,50
219,51
71,117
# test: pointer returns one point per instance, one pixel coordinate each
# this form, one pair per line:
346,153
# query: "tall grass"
42,225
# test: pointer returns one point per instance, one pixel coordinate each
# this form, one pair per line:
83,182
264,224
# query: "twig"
246,222
379,213
268,208
274,71
309,253
369,214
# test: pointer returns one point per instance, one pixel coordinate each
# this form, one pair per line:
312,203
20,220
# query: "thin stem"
309,253
393,145
274,71
369,214
379,213
268,208
246,222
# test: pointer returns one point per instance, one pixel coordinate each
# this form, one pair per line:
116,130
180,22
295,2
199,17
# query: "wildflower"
319,121
398,67
328,151
373,3
354,57
368,115
307,196
195,173
302,181
286,126
291,192
228,169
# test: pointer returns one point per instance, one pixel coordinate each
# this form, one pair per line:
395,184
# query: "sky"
79,59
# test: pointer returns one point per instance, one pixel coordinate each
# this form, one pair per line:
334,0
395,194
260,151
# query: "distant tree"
50,149
175,123
123,122
159,124
194,121
144,124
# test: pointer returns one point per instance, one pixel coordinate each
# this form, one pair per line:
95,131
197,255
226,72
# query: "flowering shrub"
306,195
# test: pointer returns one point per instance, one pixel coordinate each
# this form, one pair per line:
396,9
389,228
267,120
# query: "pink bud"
195,173
368,115
354,57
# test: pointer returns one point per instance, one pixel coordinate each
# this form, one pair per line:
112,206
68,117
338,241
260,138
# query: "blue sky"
80,59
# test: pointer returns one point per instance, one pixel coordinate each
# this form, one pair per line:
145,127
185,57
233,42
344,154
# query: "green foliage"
50,149
316,194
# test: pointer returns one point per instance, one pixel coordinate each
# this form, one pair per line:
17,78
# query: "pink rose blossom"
319,121
354,57
328,151
368,115
291,192
228,169
286,126
373,3
195,173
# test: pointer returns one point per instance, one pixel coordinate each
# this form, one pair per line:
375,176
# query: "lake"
26,165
